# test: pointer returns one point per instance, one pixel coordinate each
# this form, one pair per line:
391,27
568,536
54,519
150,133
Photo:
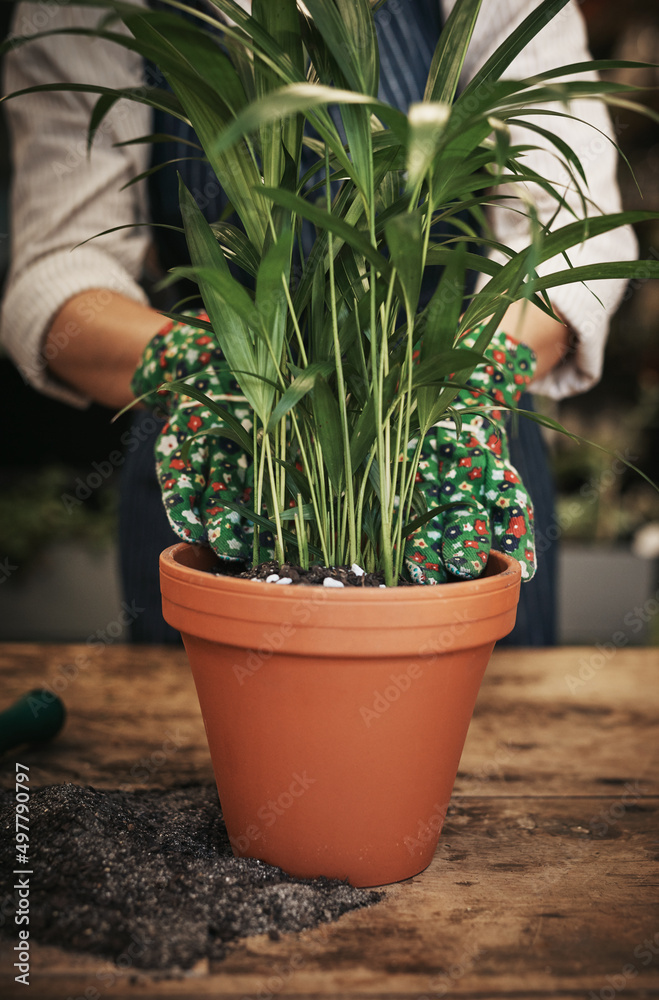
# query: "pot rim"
502,570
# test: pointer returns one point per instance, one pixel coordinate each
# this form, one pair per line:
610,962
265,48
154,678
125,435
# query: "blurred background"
58,494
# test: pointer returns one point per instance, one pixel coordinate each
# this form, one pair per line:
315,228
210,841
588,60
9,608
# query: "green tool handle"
37,716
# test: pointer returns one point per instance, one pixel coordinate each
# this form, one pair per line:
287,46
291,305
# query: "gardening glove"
476,467
216,466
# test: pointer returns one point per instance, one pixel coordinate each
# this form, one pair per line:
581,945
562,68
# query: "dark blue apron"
407,35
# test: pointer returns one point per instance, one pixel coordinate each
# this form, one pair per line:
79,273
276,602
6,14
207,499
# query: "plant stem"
302,548
312,479
341,388
296,327
279,541
362,493
256,498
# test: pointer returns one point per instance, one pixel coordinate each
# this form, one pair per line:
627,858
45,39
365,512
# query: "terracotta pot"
336,717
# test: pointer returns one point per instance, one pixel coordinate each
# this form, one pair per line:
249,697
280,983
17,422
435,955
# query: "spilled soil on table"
148,878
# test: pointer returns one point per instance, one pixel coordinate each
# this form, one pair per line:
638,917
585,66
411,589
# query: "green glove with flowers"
475,466
216,466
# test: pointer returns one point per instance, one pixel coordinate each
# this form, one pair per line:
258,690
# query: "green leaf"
298,98
235,170
154,97
234,428
443,255
441,321
290,513
298,389
231,331
437,369
283,24
155,138
418,522
219,432
188,320
130,225
591,66
348,30
272,281
357,124
159,166
209,88
406,244
567,152
328,428
366,427
329,222
233,293
448,58
508,279
189,51
237,247
427,125
576,232
510,48
265,522
642,269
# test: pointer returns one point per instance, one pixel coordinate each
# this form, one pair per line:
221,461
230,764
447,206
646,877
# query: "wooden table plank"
499,911
545,880
532,733
565,721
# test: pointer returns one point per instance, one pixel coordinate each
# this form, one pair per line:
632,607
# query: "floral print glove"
216,467
475,467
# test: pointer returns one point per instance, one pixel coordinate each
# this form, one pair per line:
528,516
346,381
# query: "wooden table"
545,880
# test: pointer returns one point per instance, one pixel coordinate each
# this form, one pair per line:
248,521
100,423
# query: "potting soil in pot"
151,874
274,572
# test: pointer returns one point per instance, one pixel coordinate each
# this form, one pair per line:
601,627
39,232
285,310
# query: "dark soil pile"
150,875
313,576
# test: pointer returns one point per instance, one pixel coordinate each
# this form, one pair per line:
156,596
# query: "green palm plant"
340,365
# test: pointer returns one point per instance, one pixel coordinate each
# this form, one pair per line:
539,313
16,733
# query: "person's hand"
475,467
216,467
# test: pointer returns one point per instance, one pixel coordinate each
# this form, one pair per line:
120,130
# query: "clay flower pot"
336,717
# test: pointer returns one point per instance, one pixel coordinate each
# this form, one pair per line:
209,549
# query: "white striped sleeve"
586,309
60,195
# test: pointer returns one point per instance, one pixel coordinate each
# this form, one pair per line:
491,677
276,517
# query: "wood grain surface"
544,883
